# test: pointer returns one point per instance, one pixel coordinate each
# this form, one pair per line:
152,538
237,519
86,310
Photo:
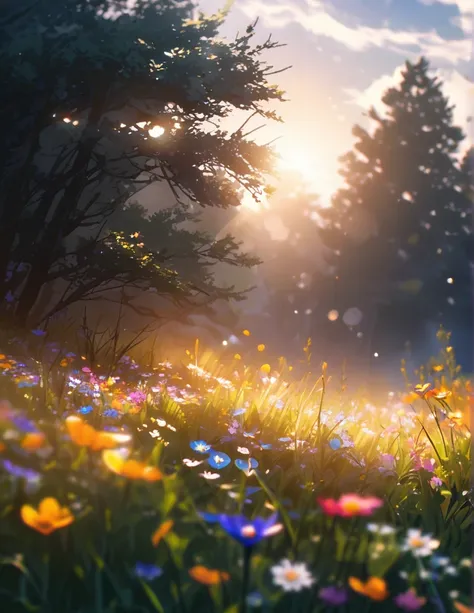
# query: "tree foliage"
103,100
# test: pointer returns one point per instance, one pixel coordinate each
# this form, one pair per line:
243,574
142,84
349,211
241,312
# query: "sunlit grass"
117,481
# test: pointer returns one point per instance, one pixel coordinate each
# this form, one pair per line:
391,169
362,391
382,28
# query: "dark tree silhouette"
400,228
102,101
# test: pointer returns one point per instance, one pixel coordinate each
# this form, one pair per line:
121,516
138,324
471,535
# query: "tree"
103,100
399,228
175,234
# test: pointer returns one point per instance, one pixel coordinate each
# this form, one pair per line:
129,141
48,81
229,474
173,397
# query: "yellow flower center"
351,506
416,541
291,575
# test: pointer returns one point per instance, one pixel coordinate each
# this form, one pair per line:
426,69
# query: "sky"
344,54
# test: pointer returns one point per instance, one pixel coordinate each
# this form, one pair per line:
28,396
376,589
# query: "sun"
315,169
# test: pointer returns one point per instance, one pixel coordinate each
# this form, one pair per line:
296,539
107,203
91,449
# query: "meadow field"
230,486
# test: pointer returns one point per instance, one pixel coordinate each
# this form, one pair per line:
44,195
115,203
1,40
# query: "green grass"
311,439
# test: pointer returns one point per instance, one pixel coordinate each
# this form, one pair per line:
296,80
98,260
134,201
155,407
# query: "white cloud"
317,21
456,87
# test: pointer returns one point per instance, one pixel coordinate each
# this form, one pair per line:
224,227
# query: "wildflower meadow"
221,485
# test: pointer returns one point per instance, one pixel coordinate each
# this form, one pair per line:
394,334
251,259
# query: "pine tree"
397,229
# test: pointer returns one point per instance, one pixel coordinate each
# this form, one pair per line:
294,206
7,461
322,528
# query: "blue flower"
265,446
147,571
285,439
252,490
218,460
110,413
210,518
251,434
335,444
249,532
255,599
246,465
238,412
200,446
87,409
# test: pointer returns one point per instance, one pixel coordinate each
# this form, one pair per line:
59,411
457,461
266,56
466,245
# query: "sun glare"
314,170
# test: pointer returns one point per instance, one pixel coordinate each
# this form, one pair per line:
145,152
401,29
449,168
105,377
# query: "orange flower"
208,576
2,446
132,469
462,608
161,532
49,517
63,363
374,588
85,435
33,441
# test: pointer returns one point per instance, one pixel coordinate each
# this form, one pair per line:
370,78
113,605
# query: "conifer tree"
399,228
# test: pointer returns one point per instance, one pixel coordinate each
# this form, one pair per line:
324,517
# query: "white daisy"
208,475
382,529
191,463
291,577
420,545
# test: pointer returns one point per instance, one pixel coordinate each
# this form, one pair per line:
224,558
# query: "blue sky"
345,53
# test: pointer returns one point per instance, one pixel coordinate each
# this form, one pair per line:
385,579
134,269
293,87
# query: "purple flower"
38,332
24,424
435,482
333,596
249,532
409,601
19,471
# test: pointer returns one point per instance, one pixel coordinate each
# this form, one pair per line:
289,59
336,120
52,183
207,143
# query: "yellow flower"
49,517
265,368
84,435
161,532
246,332
374,588
208,576
131,469
261,347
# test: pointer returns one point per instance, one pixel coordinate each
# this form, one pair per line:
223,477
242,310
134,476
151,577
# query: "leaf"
379,566
152,597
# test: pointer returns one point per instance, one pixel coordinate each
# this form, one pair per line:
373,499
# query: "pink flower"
409,601
350,505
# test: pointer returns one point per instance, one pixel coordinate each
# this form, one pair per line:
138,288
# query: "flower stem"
245,579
